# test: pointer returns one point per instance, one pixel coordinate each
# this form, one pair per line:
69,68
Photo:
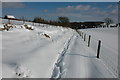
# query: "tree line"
65,22
61,21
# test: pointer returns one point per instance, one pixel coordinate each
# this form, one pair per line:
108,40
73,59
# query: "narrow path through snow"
82,63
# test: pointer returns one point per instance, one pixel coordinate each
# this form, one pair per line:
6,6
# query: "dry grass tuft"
46,35
6,27
27,27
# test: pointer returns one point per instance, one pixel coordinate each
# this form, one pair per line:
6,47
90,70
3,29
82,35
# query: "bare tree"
64,21
38,20
108,21
23,19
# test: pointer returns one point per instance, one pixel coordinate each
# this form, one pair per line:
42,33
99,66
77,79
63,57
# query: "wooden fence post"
79,33
82,34
23,21
84,37
8,21
33,23
89,40
98,49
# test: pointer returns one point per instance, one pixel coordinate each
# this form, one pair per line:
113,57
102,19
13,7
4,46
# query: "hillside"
56,52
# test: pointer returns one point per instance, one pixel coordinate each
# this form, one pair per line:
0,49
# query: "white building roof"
10,16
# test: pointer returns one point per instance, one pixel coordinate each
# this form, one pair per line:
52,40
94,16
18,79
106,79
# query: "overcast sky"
76,11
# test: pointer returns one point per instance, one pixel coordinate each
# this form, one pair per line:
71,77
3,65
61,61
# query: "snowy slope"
79,61
82,63
0,52
109,46
49,52
30,53
0,55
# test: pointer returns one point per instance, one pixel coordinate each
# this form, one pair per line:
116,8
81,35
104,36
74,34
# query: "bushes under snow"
28,27
7,27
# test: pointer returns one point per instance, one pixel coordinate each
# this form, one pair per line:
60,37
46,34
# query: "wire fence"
107,55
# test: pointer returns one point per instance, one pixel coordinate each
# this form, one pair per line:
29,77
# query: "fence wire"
107,54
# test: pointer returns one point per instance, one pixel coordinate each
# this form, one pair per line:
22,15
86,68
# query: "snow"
112,24
32,50
64,54
0,51
109,46
0,55
10,16
82,63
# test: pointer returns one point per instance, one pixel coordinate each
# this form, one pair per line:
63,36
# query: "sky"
60,0
75,11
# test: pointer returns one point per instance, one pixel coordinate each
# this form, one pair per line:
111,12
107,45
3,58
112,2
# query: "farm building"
9,17
113,25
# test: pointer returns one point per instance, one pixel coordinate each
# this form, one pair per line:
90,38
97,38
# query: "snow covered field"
109,46
31,53
0,55
54,52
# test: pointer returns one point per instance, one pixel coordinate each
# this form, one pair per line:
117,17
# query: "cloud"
88,12
114,11
11,0
66,9
12,5
0,5
76,8
82,7
45,10
0,9
110,6
61,0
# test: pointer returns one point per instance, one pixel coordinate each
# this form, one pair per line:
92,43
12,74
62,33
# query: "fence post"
84,37
23,21
98,49
82,34
89,40
33,23
8,21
